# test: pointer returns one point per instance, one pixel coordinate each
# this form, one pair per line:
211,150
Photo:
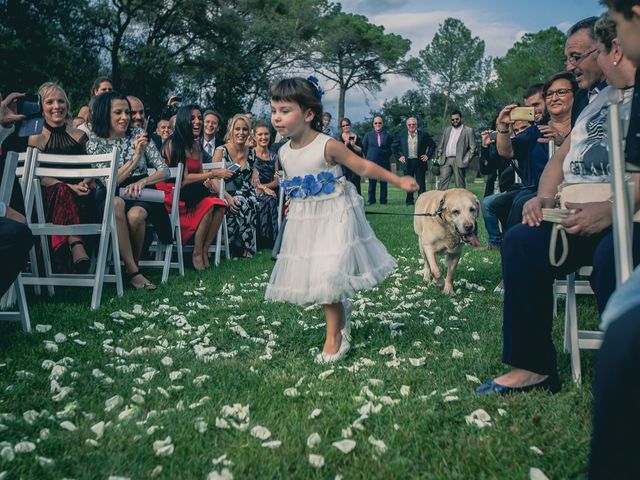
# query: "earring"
615,63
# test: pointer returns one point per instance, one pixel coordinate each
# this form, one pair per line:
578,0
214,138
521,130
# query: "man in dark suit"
209,139
456,150
414,148
376,146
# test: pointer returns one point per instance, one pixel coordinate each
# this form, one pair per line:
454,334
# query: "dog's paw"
448,289
426,276
437,281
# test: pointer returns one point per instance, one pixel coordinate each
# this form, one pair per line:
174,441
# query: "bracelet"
504,132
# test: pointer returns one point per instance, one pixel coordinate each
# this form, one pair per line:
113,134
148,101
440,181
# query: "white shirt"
412,144
453,141
211,142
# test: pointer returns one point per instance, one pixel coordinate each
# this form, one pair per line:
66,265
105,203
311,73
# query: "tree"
351,52
453,63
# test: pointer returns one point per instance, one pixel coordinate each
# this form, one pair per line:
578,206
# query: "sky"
500,23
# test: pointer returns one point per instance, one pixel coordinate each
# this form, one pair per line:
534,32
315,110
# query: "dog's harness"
437,213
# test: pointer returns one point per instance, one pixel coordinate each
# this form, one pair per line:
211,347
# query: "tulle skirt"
329,251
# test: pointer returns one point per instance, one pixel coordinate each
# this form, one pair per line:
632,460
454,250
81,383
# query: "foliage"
453,63
351,52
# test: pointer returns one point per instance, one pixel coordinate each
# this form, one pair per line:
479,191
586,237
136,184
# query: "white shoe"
323,357
348,307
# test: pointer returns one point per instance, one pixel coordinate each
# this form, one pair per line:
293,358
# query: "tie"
208,148
379,138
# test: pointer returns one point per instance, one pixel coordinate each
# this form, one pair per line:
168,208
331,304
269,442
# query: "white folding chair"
6,187
164,253
223,232
57,166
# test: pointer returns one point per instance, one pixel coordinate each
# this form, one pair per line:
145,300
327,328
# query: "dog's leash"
437,213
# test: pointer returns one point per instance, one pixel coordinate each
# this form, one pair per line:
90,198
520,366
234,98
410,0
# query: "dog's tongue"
472,239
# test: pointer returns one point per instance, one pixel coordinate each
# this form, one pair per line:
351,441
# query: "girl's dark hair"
260,123
560,76
621,6
302,92
605,31
101,113
96,85
182,136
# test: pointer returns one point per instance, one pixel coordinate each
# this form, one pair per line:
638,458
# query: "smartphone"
145,124
234,167
522,113
30,105
493,136
177,98
352,138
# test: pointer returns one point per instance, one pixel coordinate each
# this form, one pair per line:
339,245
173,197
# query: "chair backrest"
177,174
212,166
6,186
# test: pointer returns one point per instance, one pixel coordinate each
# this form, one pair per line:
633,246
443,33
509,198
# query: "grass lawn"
150,393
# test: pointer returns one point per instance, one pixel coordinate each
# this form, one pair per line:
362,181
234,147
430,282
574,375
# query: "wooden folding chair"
164,253
57,166
6,187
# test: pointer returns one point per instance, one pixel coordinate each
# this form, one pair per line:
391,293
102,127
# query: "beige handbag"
572,193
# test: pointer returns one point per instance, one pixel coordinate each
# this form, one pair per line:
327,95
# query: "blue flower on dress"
310,185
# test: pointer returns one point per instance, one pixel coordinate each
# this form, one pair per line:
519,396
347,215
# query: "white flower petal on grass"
313,440
116,477
45,462
537,474
418,362
222,423
272,444
199,380
502,412
127,413
475,336
345,445
260,432
45,433
536,450
473,379
390,350
451,398
113,402
60,338
480,418
438,330
24,447
456,353
167,361
379,444
177,375
30,416
163,448
325,374
201,426
316,461
405,390
67,425
7,454
98,430
224,474
91,442
315,413
291,392
50,346
43,328
138,399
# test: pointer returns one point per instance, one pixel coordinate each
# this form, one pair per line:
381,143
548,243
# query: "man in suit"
209,140
456,150
414,148
376,146
581,56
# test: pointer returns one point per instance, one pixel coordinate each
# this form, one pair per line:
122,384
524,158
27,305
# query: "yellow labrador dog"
452,225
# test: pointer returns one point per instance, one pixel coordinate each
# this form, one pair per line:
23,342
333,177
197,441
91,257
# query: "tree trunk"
341,99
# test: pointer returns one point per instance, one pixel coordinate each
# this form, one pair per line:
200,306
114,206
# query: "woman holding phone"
201,211
353,143
239,192
111,128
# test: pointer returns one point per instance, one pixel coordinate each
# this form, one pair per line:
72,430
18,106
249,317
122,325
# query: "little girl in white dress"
328,250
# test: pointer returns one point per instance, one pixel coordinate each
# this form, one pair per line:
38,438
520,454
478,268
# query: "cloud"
364,7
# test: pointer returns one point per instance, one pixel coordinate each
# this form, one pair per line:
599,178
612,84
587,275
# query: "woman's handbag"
572,193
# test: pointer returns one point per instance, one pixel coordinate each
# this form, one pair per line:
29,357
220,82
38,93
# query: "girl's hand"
532,210
486,141
81,189
504,118
408,184
550,133
140,144
135,189
221,173
234,207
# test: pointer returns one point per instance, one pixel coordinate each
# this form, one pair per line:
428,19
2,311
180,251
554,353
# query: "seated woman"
111,124
68,201
528,273
201,212
266,181
239,192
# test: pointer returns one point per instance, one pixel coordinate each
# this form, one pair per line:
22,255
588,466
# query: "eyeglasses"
377,123
576,59
561,92
345,125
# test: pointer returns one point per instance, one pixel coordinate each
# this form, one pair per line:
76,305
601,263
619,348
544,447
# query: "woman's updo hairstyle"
302,92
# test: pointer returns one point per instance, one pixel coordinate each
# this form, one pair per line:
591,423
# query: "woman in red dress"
201,211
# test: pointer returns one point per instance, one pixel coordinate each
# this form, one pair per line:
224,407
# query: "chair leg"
22,305
572,318
226,240
555,299
35,271
168,251
180,254
219,242
115,248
